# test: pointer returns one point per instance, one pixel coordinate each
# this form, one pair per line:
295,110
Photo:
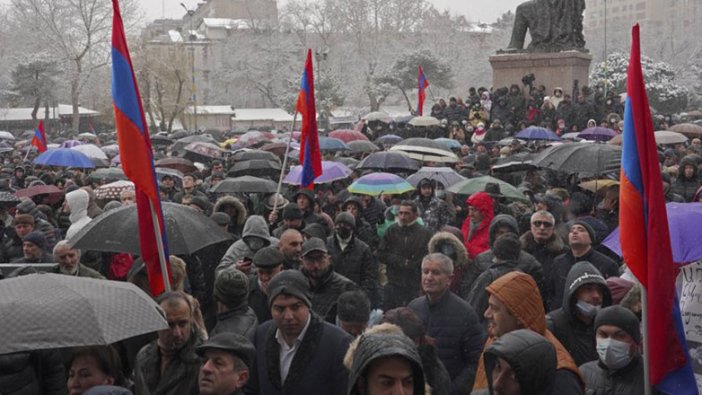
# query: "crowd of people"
322,291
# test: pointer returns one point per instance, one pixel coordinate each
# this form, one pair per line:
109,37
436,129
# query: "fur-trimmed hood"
441,238
555,244
231,200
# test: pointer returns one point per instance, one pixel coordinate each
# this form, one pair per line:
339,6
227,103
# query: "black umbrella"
159,139
256,168
118,231
185,141
582,158
245,155
518,162
388,161
245,184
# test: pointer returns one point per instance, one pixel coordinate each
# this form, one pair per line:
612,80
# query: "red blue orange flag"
310,155
645,238
136,154
422,84
39,139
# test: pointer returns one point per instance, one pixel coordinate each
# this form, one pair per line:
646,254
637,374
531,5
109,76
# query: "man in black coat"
297,353
267,263
451,321
580,237
573,324
352,258
402,248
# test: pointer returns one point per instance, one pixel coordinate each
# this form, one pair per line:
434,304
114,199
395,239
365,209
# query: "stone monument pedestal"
551,69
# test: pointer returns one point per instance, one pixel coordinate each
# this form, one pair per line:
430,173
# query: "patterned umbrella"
362,147
64,157
445,175
254,137
380,183
597,133
348,135
202,152
329,144
56,311
8,199
198,138
112,190
331,171
537,133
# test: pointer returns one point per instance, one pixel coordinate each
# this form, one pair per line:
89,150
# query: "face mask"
344,233
587,309
254,243
613,353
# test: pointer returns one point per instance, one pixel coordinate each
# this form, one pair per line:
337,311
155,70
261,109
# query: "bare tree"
34,80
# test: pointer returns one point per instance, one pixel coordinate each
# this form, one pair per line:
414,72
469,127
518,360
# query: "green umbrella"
473,185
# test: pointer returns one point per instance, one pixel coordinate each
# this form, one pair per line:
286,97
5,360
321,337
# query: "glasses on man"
540,224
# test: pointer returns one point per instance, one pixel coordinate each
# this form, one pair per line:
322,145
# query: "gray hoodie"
255,228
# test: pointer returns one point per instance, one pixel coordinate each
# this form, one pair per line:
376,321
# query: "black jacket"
317,367
240,320
575,335
32,373
258,301
562,265
357,263
327,291
401,250
478,297
599,380
544,254
181,377
455,326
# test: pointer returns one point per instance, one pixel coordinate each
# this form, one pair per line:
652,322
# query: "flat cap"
231,342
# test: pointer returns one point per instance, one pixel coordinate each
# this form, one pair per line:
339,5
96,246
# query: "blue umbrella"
388,139
64,157
537,133
332,144
449,143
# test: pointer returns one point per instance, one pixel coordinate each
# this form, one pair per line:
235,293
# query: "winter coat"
477,297
434,212
357,263
483,262
255,226
544,254
235,224
575,335
11,246
455,326
93,209
478,241
531,357
455,113
600,380
683,186
461,263
45,258
562,265
83,271
240,320
374,212
40,222
32,373
521,297
258,301
366,233
317,367
181,376
402,249
78,203
326,291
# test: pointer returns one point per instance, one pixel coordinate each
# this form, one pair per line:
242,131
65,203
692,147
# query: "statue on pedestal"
554,26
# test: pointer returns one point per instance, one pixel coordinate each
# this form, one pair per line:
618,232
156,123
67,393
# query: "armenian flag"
422,84
310,155
39,139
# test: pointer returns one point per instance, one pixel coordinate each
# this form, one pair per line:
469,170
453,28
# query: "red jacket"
480,239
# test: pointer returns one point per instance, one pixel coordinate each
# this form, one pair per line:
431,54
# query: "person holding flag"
137,159
422,84
310,155
39,139
645,241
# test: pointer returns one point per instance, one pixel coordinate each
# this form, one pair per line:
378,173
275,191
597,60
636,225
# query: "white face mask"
613,353
587,309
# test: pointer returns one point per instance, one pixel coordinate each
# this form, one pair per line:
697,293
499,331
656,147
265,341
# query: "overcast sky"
483,11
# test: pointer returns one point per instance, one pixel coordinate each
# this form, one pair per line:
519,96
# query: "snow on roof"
25,114
175,36
226,23
259,114
211,110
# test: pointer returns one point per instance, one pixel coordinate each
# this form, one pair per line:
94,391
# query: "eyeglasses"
539,224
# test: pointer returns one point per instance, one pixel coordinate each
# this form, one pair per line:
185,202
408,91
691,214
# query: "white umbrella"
669,137
6,135
424,121
87,136
381,116
425,150
91,151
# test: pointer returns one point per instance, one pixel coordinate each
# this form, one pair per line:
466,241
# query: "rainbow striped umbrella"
380,183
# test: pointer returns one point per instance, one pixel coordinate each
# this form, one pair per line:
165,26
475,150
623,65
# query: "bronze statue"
554,26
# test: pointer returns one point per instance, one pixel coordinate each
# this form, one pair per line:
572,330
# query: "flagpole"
646,350
285,163
159,245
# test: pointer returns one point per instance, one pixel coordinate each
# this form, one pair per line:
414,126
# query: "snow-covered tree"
34,81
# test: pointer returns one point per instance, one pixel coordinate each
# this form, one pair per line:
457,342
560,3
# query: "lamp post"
191,38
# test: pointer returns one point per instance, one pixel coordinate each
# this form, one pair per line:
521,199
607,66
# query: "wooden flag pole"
285,163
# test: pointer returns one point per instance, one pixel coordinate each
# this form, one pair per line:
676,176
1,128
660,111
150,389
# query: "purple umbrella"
331,171
537,133
116,161
70,143
685,237
597,133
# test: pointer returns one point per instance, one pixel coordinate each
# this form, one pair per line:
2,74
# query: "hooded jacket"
78,204
686,187
240,320
575,335
478,240
255,226
628,380
448,244
518,292
526,262
236,224
531,357
40,222
357,263
562,265
326,291
380,345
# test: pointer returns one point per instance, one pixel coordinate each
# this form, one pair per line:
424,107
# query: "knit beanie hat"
588,228
36,238
292,283
621,317
292,212
346,218
520,294
231,286
507,247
